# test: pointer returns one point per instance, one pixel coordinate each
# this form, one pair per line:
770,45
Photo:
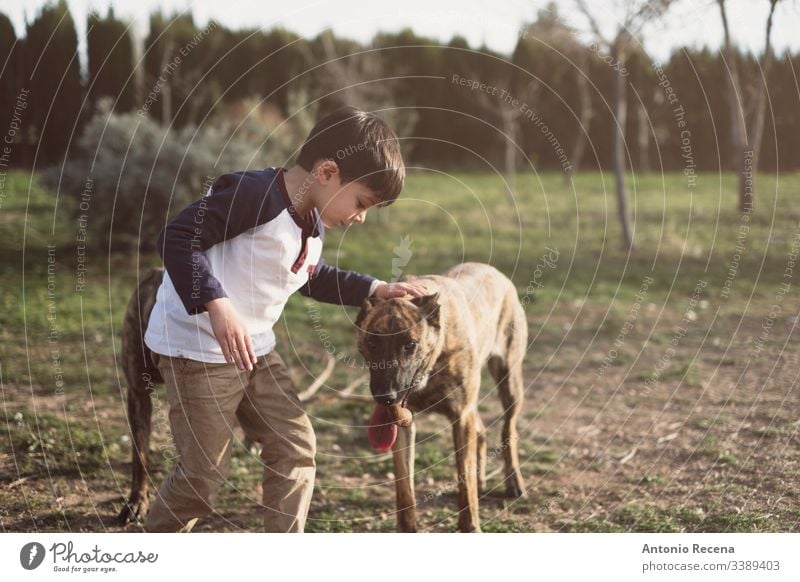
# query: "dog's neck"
439,346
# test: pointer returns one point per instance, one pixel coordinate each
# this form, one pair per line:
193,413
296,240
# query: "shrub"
127,175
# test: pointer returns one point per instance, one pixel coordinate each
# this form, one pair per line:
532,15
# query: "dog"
142,377
426,354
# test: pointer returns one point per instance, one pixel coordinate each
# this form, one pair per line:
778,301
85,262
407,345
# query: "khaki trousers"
205,403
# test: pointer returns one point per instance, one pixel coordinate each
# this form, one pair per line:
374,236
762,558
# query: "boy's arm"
237,203
329,284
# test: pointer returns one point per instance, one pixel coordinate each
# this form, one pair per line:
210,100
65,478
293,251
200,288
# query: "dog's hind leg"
465,440
482,445
510,387
139,414
403,456
142,377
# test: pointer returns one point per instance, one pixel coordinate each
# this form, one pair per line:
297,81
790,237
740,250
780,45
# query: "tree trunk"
166,90
585,123
139,91
752,146
643,138
746,144
621,114
509,120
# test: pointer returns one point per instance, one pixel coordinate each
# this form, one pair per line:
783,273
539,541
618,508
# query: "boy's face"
337,204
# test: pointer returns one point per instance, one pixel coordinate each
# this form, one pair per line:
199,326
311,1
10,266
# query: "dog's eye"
372,344
410,346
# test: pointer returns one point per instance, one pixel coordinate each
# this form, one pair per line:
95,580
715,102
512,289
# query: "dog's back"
491,300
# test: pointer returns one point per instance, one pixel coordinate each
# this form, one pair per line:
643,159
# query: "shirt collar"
308,223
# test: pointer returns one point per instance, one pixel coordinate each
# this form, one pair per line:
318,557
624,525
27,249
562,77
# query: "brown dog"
426,353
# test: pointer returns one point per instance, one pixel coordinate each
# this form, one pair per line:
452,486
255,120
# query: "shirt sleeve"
235,203
331,285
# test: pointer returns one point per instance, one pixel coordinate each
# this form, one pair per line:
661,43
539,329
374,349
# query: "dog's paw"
469,527
131,511
515,490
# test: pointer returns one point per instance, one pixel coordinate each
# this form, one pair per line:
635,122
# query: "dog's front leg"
465,440
403,455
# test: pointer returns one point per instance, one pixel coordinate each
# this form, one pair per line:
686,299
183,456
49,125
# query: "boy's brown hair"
363,146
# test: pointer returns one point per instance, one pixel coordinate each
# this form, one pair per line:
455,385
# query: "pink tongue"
382,431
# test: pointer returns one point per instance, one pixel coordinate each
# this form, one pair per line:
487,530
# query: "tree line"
548,105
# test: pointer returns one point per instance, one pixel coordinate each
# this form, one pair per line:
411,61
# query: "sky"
693,23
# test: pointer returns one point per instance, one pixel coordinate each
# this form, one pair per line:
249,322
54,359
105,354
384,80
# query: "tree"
635,15
550,50
747,139
111,64
414,66
516,91
11,47
370,78
471,119
177,57
643,84
52,69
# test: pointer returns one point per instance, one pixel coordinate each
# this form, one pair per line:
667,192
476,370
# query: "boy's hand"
231,334
389,290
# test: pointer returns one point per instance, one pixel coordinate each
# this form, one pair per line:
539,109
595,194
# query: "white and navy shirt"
243,240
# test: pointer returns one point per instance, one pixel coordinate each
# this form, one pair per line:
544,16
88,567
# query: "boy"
232,260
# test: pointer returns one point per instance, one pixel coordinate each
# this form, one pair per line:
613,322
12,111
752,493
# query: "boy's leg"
203,399
272,413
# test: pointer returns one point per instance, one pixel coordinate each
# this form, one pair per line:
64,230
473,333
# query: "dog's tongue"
382,431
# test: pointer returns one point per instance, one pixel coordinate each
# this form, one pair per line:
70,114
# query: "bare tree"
551,30
643,137
509,112
585,117
741,105
635,15
358,77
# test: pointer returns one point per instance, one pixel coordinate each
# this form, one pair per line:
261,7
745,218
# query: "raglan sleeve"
234,204
330,284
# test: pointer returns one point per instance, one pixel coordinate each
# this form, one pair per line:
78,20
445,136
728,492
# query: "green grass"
44,443
55,338
445,222
712,448
636,517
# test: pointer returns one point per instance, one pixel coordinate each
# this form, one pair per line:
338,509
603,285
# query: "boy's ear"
367,306
428,305
326,170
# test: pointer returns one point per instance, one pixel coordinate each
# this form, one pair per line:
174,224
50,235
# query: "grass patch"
44,443
636,517
52,331
711,447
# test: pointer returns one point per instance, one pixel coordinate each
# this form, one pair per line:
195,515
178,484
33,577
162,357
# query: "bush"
127,175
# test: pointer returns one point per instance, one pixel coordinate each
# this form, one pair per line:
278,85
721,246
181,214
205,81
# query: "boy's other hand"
231,334
389,290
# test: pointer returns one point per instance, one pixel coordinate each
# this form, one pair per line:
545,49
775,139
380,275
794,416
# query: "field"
661,385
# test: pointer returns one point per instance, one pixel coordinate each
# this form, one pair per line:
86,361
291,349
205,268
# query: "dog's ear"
428,305
367,306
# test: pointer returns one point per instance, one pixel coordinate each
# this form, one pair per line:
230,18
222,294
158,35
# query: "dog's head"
397,338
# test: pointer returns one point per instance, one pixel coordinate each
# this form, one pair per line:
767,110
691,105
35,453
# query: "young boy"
232,260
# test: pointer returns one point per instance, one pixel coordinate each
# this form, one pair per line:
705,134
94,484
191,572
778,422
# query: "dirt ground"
677,425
